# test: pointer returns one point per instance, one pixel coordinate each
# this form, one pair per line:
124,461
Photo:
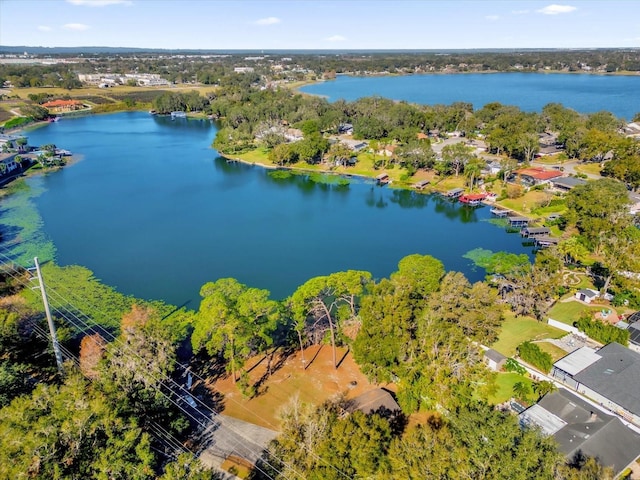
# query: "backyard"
516,330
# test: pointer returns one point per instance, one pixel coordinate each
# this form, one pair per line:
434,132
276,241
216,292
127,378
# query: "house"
580,428
634,331
377,400
494,359
536,175
8,165
492,168
10,142
387,150
587,295
564,184
354,145
60,106
609,376
293,134
345,129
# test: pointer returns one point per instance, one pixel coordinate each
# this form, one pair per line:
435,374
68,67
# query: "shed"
587,295
494,359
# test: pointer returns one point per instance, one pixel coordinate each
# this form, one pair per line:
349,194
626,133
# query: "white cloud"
492,18
267,21
556,9
336,38
76,27
44,28
520,12
99,3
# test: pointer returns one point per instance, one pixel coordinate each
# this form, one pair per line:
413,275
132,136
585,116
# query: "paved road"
229,436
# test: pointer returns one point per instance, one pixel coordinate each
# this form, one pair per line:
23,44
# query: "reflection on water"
156,213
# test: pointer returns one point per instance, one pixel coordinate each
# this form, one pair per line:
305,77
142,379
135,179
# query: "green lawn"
525,204
505,383
569,312
556,352
592,168
517,330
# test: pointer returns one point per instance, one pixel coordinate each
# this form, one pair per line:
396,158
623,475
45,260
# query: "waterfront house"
354,145
61,106
535,176
581,428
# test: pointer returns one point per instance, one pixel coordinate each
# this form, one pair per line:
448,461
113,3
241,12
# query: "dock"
454,193
543,242
518,221
421,184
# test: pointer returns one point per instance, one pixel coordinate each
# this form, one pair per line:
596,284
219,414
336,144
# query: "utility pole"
52,327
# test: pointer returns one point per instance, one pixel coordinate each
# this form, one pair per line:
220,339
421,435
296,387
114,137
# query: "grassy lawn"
517,330
556,352
525,204
569,312
592,168
549,160
505,383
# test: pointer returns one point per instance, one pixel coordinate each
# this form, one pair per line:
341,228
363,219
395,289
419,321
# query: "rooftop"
374,401
577,361
538,173
494,355
616,376
578,426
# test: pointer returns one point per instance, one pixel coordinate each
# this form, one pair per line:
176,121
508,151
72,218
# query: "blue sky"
307,24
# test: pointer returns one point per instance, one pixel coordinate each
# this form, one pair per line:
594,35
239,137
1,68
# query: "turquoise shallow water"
530,91
154,211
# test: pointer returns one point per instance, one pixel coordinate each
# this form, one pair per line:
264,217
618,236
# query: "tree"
457,156
234,321
320,298
521,391
599,209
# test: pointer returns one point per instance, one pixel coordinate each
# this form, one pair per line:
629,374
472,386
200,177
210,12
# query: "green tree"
234,321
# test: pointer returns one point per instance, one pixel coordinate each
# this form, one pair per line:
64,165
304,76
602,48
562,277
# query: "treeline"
472,441
252,118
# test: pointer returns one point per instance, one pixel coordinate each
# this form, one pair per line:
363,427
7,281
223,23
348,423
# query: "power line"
114,340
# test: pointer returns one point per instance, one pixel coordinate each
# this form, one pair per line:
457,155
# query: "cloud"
267,21
492,18
76,27
556,9
520,12
336,38
99,3
44,28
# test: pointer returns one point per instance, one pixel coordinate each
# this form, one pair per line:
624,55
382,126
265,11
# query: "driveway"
229,436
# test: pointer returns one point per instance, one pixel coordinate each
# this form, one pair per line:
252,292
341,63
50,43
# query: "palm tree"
521,390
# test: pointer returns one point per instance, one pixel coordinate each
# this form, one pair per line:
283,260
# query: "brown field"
319,382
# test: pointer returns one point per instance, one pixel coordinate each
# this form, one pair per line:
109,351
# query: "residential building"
564,184
609,376
580,428
535,175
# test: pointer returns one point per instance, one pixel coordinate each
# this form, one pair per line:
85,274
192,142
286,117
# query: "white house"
587,295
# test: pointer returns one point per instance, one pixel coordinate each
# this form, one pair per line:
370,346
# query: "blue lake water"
530,91
154,212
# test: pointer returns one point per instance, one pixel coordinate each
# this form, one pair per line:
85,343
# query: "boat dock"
500,212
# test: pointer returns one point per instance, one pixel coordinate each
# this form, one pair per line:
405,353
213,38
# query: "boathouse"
421,184
535,232
543,242
455,193
383,178
518,221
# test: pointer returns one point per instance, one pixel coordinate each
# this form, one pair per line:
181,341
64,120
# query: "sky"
321,24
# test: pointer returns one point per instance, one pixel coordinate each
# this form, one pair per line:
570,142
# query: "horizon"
323,25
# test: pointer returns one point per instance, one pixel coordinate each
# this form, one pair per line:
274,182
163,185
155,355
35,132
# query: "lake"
154,212
585,93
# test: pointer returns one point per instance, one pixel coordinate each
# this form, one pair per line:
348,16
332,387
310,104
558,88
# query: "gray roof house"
494,359
581,428
609,376
567,183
